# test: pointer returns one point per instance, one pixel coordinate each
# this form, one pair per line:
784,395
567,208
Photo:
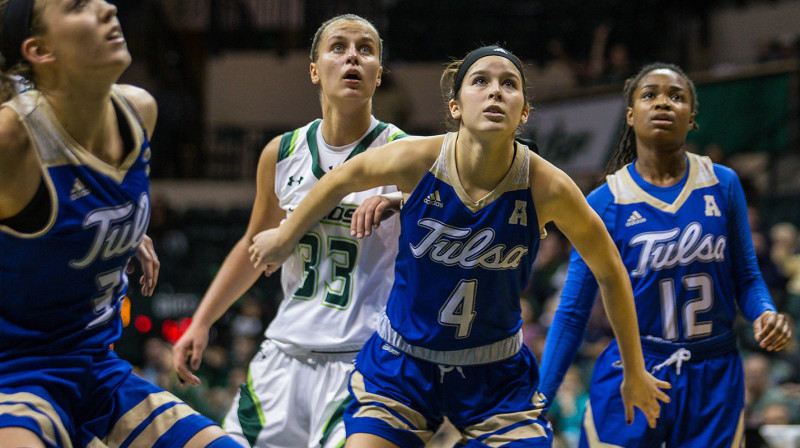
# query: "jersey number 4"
342,254
692,328
459,309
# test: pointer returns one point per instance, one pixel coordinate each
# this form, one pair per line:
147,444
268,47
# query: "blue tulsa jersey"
462,264
686,259
61,287
689,255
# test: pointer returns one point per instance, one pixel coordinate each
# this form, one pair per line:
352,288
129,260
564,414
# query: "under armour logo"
292,181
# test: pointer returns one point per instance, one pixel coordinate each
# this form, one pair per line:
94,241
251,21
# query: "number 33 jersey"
333,284
688,251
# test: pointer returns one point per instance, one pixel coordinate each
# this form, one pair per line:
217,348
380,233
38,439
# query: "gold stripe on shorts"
367,410
49,426
161,424
591,430
131,420
96,443
737,438
500,421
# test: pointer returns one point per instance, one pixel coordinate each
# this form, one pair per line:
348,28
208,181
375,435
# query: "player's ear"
312,70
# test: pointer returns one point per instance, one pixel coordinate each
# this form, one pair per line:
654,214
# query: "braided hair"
626,147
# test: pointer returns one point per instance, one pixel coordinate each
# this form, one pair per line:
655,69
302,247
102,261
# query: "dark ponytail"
18,76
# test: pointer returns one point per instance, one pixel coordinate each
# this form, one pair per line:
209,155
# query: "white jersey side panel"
334,285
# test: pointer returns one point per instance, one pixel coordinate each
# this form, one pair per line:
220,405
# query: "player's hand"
643,390
190,347
269,251
772,330
146,255
371,212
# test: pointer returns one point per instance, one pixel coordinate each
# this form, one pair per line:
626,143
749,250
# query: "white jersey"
334,285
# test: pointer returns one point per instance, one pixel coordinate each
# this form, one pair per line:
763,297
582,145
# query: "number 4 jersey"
334,284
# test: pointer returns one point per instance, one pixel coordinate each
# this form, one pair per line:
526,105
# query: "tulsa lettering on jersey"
115,239
446,246
659,252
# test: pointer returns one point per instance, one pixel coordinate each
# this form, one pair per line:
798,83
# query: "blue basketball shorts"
92,400
707,398
404,399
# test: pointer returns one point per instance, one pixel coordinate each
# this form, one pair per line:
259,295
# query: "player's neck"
342,127
662,168
84,115
482,164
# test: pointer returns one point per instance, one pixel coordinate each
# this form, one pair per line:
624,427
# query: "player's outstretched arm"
235,276
401,163
558,199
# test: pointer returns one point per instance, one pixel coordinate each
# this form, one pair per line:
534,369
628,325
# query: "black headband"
16,28
492,50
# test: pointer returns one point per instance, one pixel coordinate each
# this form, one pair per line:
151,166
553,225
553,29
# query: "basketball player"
333,285
680,224
74,207
449,342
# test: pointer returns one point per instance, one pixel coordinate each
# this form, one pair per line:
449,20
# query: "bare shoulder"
552,189
144,102
13,138
270,151
546,177
19,167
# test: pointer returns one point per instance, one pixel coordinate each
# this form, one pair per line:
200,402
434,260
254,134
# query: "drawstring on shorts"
678,357
445,369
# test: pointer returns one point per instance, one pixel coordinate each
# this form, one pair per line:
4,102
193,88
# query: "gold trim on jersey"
515,179
55,147
627,191
43,414
51,221
366,410
591,431
54,137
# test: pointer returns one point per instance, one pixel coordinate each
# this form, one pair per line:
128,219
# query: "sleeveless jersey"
334,284
61,287
677,254
462,265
